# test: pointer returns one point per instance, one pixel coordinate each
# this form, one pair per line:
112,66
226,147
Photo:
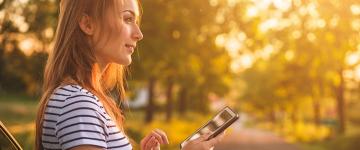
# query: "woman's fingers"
148,142
203,137
153,140
215,140
162,135
157,146
145,140
158,137
152,143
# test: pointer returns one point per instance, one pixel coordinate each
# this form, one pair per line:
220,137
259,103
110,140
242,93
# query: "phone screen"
214,124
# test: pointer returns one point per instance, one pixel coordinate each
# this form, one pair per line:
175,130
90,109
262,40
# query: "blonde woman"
94,41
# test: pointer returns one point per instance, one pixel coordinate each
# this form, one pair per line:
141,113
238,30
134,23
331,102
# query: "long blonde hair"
73,61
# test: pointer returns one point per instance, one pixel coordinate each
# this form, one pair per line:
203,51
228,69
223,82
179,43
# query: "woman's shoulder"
72,94
68,91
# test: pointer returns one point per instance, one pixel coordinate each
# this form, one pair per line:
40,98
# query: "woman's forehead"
131,6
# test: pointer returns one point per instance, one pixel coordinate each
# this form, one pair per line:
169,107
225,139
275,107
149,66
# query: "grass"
18,112
179,128
348,141
339,143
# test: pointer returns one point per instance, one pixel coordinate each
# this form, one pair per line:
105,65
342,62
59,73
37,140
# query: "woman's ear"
86,25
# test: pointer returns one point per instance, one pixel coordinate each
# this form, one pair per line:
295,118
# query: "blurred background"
291,68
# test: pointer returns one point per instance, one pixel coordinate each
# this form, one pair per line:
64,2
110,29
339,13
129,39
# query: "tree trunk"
272,116
317,96
2,65
316,106
2,60
169,100
150,107
294,114
341,103
182,101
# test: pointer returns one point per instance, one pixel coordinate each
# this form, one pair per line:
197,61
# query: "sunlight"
268,24
20,22
312,10
355,24
232,46
353,58
334,21
232,3
262,4
232,42
283,5
296,34
241,63
357,73
220,40
2,15
23,1
252,12
246,60
266,52
311,37
355,9
213,2
289,55
26,46
315,23
23,128
49,32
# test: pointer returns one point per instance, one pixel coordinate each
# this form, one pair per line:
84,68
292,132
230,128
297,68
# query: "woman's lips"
130,47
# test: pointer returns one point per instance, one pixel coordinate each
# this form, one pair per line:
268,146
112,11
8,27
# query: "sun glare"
26,46
357,73
283,5
252,12
355,9
353,58
242,62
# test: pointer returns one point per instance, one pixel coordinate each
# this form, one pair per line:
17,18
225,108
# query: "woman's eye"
129,19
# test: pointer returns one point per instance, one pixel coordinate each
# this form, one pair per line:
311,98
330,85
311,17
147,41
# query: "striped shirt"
74,116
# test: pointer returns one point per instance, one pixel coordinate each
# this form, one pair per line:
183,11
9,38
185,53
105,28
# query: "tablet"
215,126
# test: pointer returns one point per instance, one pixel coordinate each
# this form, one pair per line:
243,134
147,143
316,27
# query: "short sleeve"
81,122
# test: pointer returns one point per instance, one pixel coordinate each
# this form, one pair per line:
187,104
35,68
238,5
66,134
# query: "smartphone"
215,126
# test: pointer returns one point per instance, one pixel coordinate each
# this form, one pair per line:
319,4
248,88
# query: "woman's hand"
201,143
153,140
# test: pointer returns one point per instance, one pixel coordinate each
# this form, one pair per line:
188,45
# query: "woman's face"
118,45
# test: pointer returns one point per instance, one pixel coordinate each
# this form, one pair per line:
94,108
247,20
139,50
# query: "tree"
167,55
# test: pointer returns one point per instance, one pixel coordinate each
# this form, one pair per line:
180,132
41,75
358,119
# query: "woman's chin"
124,62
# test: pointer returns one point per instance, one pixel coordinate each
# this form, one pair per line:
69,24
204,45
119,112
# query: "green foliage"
299,131
171,48
309,62
177,130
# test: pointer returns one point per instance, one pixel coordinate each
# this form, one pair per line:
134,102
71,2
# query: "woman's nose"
138,34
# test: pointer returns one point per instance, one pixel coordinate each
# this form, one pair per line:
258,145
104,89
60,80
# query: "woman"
94,41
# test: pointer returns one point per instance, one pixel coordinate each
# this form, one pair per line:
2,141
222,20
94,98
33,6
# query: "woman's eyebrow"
130,11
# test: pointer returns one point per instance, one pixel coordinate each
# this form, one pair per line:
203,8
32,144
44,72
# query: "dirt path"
240,138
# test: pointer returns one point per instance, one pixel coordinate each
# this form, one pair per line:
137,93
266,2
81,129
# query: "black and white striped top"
74,116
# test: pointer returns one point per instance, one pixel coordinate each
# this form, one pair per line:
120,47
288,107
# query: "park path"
242,138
